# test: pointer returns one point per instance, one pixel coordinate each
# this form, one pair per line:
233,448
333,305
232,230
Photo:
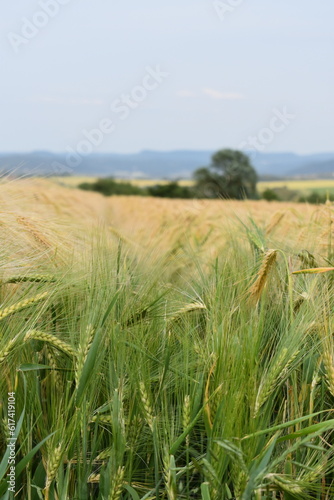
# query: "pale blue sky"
225,75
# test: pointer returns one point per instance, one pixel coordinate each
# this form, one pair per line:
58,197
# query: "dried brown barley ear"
268,262
275,220
307,259
31,228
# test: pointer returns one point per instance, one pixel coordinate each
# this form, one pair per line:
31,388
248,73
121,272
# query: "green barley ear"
285,484
52,361
51,339
35,278
275,220
328,357
100,419
134,429
188,308
94,478
328,361
186,417
5,429
84,346
307,259
104,454
54,460
19,306
147,407
170,476
272,377
262,275
116,484
5,351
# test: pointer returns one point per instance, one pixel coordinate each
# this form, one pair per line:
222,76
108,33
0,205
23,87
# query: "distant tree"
270,195
315,198
230,175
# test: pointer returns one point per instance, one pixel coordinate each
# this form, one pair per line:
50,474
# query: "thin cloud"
75,102
227,96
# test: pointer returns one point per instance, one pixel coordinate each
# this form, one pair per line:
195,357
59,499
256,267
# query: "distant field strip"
298,185
294,185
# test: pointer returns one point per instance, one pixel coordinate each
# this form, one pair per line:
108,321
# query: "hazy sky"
230,64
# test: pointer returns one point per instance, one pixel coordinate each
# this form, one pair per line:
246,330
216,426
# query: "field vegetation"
171,349
304,190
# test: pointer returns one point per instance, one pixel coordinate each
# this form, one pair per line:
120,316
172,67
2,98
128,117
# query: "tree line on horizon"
230,175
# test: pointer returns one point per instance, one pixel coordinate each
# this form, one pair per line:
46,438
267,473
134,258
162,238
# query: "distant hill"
159,164
319,169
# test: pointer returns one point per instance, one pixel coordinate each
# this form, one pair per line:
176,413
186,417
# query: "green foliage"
270,195
230,175
170,190
315,198
108,186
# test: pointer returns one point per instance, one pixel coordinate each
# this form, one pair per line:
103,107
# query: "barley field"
165,349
